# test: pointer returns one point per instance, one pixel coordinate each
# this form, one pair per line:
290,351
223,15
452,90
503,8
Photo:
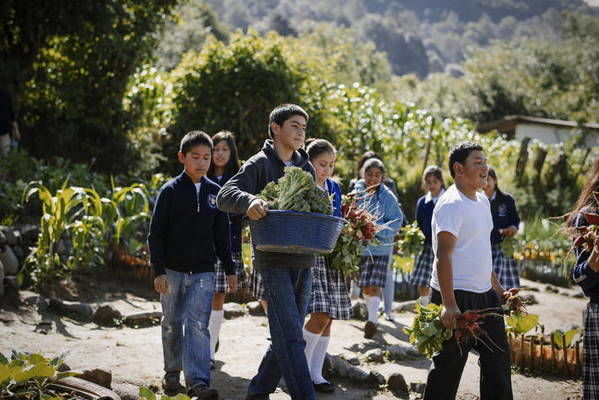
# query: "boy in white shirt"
463,279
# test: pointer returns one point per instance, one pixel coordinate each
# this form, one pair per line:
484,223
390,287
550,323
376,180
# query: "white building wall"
551,134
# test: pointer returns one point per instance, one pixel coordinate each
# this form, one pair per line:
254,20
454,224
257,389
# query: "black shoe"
325,387
171,384
201,392
369,329
257,397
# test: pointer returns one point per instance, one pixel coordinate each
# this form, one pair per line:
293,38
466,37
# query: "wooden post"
542,337
553,362
522,351
578,365
565,350
532,344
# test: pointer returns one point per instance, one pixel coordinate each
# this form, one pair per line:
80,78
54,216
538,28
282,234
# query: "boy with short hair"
463,279
187,232
286,277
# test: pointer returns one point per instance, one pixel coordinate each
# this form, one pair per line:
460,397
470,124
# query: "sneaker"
171,384
389,317
201,392
369,329
325,387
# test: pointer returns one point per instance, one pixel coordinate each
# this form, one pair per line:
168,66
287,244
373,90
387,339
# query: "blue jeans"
185,316
288,295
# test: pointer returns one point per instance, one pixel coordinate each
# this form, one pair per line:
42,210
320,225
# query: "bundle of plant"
360,231
585,236
296,191
411,240
428,333
517,318
29,376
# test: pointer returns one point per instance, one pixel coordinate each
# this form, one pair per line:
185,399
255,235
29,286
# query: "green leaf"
558,337
146,394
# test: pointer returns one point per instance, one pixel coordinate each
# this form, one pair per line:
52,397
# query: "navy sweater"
238,193
504,212
235,220
582,274
188,231
424,217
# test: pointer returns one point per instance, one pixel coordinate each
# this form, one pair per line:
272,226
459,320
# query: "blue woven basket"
296,232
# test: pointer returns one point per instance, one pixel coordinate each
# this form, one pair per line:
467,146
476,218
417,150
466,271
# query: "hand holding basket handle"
257,209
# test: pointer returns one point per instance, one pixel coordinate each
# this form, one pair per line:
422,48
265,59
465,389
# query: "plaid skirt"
505,268
256,285
373,271
220,278
423,267
329,293
590,367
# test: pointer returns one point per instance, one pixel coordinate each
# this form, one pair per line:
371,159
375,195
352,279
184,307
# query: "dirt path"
135,355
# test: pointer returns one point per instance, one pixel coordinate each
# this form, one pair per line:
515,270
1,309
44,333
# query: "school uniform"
235,228
588,280
187,233
375,258
504,213
423,265
287,280
329,292
470,222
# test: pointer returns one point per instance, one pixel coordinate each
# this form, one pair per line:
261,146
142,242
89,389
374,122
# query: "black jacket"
188,231
238,193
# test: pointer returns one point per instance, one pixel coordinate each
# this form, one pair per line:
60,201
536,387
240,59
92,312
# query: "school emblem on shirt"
212,200
502,210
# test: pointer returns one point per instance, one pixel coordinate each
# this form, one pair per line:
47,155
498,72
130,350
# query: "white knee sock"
320,352
216,320
311,342
373,308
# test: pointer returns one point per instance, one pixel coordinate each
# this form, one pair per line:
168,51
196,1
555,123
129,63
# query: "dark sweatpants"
446,370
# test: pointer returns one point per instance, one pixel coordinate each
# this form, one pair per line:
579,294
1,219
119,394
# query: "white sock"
373,308
320,352
311,342
216,320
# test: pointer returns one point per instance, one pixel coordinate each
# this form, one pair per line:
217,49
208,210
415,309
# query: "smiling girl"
434,186
225,164
329,298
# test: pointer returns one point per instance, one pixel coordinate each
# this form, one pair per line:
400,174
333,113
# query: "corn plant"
71,215
127,212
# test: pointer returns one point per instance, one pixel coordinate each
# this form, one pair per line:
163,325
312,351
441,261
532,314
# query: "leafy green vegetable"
521,323
427,332
296,191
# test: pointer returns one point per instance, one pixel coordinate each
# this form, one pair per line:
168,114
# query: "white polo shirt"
471,223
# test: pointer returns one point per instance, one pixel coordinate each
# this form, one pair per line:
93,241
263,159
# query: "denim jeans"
185,315
288,294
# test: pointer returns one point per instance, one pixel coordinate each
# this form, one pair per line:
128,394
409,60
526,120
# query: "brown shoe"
369,329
